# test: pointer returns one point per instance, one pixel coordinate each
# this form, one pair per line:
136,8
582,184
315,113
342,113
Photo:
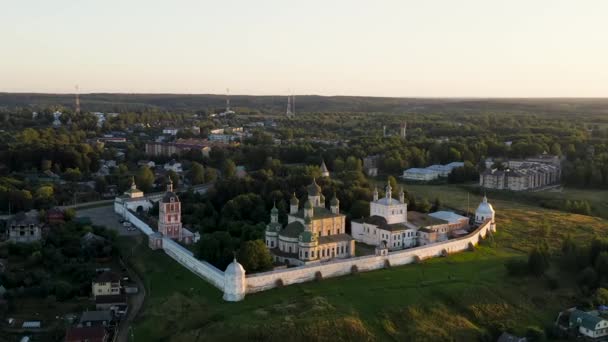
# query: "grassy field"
455,196
466,296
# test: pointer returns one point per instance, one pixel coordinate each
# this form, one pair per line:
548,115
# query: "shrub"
587,278
471,247
517,267
601,296
279,283
387,263
417,259
538,261
534,333
444,253
354,269
318,276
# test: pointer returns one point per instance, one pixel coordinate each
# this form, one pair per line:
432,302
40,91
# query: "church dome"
313,189
485,207
235,268
308,205
307,237
334,201
294,200
274,210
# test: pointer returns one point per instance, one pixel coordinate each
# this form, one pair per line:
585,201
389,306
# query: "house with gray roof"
25,227
589,324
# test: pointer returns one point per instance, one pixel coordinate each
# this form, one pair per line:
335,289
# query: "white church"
391,226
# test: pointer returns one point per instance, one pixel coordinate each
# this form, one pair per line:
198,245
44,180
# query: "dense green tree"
197,173
144,179
229,168
254,256
538,261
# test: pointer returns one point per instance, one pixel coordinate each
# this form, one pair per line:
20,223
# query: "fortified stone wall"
139,224
201,268
268,280
183,256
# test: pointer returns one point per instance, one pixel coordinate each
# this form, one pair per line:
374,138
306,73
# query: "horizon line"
314,95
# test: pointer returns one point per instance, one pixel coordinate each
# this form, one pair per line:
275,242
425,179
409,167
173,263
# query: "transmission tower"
77,100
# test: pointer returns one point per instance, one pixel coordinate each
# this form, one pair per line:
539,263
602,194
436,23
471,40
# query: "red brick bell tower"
170,214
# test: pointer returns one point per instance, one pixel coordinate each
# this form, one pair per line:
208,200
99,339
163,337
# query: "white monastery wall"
180,254
268,280
141,225
201,268
335,268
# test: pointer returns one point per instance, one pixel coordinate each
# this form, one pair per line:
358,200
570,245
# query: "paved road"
87,204
105,216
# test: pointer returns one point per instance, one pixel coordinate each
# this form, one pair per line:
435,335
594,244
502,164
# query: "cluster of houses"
101,324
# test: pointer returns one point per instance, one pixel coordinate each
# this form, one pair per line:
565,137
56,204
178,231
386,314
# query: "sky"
403,48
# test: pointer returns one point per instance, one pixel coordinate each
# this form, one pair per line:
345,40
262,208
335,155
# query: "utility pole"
77,100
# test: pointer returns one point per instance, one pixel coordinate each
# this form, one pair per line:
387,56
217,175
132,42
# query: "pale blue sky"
478,48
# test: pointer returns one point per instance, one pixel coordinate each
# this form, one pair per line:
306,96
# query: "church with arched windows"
313,233
391,226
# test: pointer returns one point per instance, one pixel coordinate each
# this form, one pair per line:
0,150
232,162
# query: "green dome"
274,227
313,189
274,210
308,205
307,237
294,200
334,201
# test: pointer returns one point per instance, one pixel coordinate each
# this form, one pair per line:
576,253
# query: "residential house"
96,318
173,166
55,216
148,163
170,131
86,334
25,227
589,324
107,283
111,302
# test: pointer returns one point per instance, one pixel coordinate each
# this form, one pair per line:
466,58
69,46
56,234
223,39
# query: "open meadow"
465,296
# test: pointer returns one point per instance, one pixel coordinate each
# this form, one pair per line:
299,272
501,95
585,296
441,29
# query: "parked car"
127,224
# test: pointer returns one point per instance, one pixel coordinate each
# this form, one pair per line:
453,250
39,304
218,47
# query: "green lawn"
461,297
455,196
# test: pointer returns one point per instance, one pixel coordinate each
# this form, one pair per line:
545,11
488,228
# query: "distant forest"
178,103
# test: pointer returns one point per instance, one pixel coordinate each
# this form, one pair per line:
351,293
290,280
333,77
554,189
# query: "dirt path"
135,302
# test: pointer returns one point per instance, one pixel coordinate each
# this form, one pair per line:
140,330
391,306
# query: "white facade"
419,174
387,223
173,166
170,131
